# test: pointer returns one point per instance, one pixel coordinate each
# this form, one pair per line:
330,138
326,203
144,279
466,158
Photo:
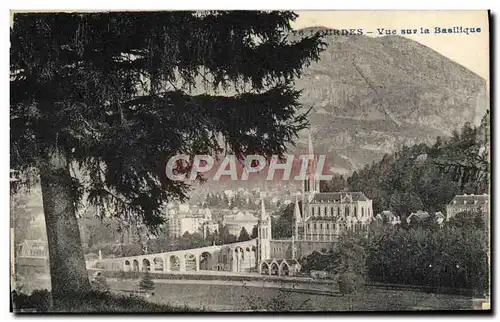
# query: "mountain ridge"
371,95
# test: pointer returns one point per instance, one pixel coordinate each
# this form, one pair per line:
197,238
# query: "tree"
100,101
243,235
146,284
255,232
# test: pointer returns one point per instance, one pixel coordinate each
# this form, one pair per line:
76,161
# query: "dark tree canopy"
119,93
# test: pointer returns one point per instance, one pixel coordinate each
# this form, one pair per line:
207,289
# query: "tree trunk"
67,264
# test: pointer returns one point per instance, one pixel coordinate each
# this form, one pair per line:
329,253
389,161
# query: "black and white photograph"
249,161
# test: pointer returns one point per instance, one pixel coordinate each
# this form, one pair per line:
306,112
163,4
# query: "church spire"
296,211
311,184
262,209
311,148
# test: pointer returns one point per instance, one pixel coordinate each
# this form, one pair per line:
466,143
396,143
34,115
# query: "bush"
93,301
146,284
349,282
99,283
450,257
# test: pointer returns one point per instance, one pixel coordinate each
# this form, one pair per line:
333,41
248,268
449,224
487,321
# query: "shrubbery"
448,257
453,257
94,301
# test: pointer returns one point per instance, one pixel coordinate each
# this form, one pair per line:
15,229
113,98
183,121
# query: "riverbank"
235,296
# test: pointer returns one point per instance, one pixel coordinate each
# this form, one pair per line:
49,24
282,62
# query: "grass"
91,302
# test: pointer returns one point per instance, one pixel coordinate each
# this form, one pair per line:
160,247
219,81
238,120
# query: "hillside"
372,95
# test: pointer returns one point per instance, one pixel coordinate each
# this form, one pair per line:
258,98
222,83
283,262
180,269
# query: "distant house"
439,217
462,203
388,217
419,216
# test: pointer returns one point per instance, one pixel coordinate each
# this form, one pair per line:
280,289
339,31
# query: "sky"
470,51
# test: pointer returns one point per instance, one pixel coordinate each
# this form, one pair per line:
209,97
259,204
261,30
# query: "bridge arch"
135,265
146,265
206,261
175,262
190,262
126,266
158,264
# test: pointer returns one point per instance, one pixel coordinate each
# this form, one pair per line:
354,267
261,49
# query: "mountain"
370,96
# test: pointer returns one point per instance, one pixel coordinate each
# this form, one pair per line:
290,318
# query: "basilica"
319,219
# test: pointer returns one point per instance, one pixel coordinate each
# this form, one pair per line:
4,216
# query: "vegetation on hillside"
423,177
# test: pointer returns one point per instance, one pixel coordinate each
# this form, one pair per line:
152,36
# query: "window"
326,211
362,212
315,227
312,211
321,226
331,211
327,226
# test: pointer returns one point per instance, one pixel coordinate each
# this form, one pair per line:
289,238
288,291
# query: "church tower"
311,184
264,234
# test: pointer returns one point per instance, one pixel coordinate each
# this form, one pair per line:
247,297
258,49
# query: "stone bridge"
235,257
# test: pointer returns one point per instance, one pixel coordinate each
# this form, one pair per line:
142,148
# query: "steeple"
263,214
296,211
311,185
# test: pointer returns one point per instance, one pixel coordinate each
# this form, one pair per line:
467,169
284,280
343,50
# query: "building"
387,216
238,220
209,227
419,215
182,218
317,224
467,203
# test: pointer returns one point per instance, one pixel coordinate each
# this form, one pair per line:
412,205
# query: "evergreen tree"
255,232
100,101
243,235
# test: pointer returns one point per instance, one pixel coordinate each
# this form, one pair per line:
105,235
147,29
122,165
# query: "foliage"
466,219
337,184
224,237
119,93
255,232
445,257
146,283
423,177
282,227
99,283
94,301
243,235
453,256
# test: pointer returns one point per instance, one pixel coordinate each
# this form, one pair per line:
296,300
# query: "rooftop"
470,199
328,197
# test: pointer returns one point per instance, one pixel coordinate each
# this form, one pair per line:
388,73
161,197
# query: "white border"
214,4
